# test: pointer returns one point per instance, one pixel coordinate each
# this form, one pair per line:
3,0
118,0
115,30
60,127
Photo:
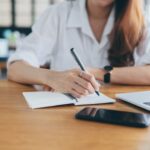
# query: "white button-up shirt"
65,26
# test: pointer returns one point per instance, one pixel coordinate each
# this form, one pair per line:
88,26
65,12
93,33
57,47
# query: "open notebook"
49,99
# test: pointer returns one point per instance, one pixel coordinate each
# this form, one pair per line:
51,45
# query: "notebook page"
94,99
46,99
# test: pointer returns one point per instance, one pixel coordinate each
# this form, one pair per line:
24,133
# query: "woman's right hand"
74,82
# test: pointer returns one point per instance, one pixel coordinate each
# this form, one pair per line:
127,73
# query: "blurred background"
16,19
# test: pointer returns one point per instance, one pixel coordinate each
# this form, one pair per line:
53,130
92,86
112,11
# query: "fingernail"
99,85
97,89
91,92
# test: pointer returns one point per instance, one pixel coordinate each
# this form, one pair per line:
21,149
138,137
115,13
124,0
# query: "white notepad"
140,99
49,99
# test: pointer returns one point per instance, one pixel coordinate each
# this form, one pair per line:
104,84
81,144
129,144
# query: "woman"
103,32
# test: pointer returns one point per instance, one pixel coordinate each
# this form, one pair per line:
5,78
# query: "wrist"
99,74
114,75
47,77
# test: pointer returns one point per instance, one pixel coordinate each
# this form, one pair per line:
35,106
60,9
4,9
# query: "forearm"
131,75
24,73
126,75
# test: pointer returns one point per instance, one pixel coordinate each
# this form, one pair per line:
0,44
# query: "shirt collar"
74,16
78,18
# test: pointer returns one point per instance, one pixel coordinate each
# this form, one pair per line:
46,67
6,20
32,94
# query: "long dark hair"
127,32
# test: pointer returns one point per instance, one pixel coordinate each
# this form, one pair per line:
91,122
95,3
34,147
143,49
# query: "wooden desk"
22,128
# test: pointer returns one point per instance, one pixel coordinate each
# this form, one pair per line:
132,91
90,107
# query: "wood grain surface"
22,128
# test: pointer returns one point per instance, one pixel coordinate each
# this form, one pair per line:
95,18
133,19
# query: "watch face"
107,78
108,68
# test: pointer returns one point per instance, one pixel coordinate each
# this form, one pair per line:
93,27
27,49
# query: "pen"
73,97
79,63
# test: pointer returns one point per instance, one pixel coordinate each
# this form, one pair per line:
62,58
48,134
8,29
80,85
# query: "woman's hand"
74,81
98,73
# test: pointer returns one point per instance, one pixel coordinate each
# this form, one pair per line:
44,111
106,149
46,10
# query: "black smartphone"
114,117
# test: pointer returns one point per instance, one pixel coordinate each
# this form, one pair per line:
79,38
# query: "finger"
91,79
80,89
74,93
95,84
85,84
47,88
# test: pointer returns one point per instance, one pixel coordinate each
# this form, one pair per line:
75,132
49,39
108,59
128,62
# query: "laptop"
140,99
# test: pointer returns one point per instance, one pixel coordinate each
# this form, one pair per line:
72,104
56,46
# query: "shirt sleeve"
142,52
36,49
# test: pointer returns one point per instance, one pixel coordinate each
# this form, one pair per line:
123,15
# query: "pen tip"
97,93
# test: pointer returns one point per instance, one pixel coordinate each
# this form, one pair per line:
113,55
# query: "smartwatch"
107,75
